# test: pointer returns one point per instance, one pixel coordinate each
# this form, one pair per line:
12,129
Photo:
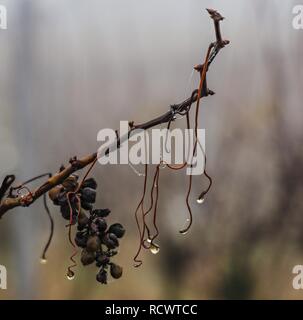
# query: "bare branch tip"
215,15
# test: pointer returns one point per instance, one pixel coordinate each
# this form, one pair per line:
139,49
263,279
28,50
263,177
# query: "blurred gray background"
69,68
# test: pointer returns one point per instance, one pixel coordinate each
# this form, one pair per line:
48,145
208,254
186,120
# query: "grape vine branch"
10,200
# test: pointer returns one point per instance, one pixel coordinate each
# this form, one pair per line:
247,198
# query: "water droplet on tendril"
70,275
147,243
154,248
200,200
163,165
43,261
185,230
139,174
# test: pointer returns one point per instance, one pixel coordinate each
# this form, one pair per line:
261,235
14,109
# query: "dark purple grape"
111,241
102,213
101,223
102,276
61,199
86,206
117,229
90,183
116,271
88,195
102,260
81,240
87,257
93,244
82,219
65,211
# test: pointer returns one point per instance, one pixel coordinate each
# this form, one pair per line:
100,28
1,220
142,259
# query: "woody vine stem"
12,196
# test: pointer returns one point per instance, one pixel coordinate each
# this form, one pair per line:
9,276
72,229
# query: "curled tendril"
27,199
201,84
143,240
43,256
71,273
157,175
6,183
137,261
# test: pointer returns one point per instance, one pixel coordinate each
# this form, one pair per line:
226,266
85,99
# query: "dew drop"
147,243
154,248
183,232
200,200
139,174
162,166
70,275
43,261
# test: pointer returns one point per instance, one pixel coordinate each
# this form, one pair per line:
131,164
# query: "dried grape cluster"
99,243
